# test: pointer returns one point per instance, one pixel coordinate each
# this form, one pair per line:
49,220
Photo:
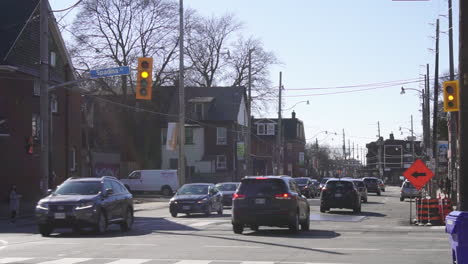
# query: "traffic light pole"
181,163
44,100
463,115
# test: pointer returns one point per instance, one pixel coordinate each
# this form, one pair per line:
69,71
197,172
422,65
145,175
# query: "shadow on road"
285,233
374,214
369,202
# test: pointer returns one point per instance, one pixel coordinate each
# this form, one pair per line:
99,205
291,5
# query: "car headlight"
204,200
42,206
173,200
85,205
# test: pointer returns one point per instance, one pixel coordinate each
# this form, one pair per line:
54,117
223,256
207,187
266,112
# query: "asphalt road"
380,234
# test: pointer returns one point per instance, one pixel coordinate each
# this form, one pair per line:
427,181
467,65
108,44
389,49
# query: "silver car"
361,186
408,191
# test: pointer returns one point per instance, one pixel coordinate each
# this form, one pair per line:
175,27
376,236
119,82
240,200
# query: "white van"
164,181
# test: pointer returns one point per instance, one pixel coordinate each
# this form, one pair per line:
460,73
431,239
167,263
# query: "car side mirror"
50,191
108,192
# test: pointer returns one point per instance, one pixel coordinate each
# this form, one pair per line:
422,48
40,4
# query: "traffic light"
144,79
29,145
451,96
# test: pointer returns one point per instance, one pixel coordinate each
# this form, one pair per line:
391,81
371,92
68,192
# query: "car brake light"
283,196
261,178
238,196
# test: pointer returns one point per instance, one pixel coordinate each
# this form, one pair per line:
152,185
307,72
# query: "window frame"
218,162
53,103
270,129
263,126
219,139
36,88
72,164
188,140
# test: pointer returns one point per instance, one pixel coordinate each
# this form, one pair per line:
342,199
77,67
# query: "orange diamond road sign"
418,174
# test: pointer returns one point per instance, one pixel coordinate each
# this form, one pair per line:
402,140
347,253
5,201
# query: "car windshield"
339,185
256,187
359,183
324,180
193,189
227,187
79,188
301,180
408,185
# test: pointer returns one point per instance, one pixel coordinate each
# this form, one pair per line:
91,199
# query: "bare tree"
206,43
116,32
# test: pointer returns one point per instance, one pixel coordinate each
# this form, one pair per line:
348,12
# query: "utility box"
457,227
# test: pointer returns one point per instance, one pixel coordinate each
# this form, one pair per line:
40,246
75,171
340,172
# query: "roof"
201,100
340,179
13,17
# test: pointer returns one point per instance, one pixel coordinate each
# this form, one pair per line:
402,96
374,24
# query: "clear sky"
330,43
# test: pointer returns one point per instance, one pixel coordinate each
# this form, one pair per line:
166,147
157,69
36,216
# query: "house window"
198,109
53,59
289,146
220,161
221,136
261,129
266,129
73,159
240,136
188,136
36,126
270,129
37,88
53,103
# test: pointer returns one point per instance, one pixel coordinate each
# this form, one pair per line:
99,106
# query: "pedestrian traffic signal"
29,145
451,96
144,79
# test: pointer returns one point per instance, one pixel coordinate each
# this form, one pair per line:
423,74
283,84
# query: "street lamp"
307,102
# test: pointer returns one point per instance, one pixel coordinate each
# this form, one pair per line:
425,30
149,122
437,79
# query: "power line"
68,8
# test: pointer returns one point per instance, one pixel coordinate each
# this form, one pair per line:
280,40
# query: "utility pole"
279,140
181,163
463,75
453,116
344,145
428,111
412,139
249,121
44,101
379,157
435,153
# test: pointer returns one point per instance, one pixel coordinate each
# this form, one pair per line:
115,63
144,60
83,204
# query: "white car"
164,181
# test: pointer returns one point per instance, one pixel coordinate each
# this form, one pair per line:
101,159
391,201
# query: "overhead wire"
68,8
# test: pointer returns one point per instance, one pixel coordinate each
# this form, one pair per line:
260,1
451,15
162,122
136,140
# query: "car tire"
238,228
220,210
323,209
254,228
101,225
126,225
294,224
357,209
305,226
402,199
208,211
379,193
45,230
166,191
365,200
174,214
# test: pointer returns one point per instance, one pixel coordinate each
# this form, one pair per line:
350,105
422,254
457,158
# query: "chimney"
391,136
293,114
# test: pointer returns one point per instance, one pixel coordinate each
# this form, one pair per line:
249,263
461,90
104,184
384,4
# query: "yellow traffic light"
144,79
451,96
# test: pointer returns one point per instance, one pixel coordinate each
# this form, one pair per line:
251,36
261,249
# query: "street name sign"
124,70
418,174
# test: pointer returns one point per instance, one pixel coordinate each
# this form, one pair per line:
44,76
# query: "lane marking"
3,244
426,249
66,261
121,244
350,249
193,262
201,224
12,260
213,246
129,261
257,262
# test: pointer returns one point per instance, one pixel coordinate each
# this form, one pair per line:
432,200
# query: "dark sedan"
202,198
227,189
306,186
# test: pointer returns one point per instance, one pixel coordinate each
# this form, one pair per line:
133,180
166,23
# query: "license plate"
260,201
186,207
338,195
60,216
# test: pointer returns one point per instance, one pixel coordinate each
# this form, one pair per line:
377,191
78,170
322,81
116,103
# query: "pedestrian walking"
14,203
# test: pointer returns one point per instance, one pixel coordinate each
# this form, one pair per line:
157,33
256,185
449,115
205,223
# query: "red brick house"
19,103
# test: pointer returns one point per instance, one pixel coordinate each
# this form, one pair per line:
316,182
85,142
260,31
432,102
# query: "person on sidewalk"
14,203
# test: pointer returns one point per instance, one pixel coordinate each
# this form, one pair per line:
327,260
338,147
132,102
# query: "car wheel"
402,199
220,210
166,191
238,228
365,199
45,230
128,221
323,209
357,209
378,194
101,225
174,214
305,226
254,227
294,224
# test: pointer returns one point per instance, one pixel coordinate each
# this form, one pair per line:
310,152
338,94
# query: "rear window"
268,186
301,181
408,185
373,181
324,180
339,184
359,184
227,187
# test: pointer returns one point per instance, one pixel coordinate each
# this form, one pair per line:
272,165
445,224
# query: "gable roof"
14,15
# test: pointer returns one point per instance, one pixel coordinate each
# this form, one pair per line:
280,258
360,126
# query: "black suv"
340,193
372,185
86,202
269,201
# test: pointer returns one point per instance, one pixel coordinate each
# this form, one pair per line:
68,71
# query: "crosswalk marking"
129,261
12,260
66,261
198,224
257,262
193,262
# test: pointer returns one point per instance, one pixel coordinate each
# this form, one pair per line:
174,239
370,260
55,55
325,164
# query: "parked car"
164,181
306,187
361,186
86,202
227,189
409,191
193,198
269,201
372,185
382,185
340,193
